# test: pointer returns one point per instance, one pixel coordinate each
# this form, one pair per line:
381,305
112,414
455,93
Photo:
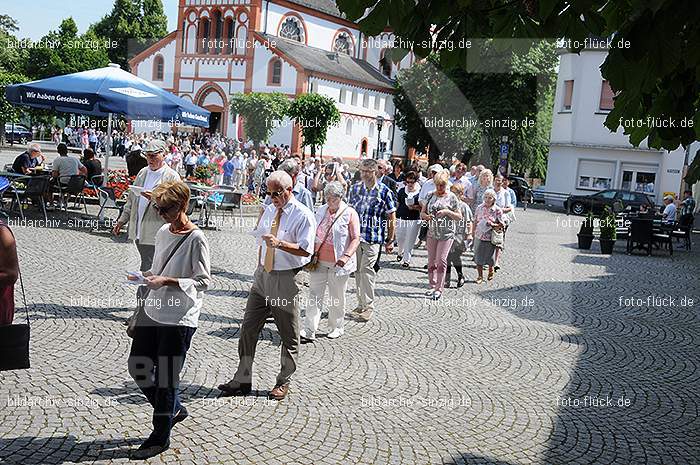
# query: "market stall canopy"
102,91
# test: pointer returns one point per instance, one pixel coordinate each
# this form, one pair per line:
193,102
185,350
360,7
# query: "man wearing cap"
28,160
143,220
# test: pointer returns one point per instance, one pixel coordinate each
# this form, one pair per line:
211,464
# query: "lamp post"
380,123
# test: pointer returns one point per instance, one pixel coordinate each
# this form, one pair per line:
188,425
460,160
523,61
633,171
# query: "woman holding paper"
169,312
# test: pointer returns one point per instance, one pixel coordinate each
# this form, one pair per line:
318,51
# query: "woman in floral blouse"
487,218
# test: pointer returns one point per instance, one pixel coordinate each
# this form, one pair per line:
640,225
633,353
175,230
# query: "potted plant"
585,234
608,231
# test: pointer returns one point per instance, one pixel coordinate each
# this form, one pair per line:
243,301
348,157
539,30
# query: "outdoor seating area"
648,233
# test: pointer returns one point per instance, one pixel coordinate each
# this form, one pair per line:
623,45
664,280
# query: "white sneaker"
336,333
308,335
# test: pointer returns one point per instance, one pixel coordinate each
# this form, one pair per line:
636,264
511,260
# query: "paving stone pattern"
503,373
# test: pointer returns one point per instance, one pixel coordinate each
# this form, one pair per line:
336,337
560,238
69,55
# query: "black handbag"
14,341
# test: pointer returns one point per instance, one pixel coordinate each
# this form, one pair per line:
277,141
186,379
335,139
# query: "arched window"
343,44
348,128
292,28
371,129
342,96
385,64
204,35
274,72
218,31
158,67
230,46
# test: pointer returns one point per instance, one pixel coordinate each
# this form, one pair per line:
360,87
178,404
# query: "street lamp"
380,123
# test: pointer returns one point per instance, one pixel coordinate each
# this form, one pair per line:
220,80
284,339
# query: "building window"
274,72
568,94
229,35
606,97
385,64
343,44
218,31
377,102
342,96
595,175
638,181
292,29
354,98
371,129
365,100
204,36
158,67
348,128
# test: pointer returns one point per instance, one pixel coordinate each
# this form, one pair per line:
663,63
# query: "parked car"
538,194
19,134
582,204
521,188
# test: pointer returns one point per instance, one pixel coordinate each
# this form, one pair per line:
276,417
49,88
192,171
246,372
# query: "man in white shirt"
285,234
143,220
669,214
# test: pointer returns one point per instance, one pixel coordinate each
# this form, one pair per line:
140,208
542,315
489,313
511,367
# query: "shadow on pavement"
63,449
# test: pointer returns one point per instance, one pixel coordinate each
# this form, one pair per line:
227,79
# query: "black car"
19,134
582,204
521,188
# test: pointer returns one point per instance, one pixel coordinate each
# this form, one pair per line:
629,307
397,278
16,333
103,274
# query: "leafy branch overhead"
652,64
261,113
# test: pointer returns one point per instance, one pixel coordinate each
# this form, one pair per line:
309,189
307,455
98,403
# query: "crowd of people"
316,216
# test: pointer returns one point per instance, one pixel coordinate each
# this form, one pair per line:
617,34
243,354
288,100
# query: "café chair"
74,188
663,238
35,189
640,235
683,231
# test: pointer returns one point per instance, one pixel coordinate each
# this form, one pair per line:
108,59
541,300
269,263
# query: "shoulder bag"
14,339
497,237
313,264
143,291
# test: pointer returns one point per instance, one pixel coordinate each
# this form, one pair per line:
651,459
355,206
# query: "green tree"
11,58
314,113
261,112
652,63
8,112
75,53
133,25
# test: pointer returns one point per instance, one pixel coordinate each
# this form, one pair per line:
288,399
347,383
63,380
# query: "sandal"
490,277
479,280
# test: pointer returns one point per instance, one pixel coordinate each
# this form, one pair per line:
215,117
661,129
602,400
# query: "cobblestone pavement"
549,364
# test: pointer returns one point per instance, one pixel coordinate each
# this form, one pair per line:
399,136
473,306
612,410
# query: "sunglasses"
163,210
274,195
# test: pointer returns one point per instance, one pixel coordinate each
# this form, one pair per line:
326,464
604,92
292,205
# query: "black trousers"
423,233
146,252
454,258
155,361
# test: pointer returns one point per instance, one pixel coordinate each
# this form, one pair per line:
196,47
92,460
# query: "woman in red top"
9,270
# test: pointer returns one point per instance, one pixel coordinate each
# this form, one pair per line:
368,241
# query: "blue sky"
37,17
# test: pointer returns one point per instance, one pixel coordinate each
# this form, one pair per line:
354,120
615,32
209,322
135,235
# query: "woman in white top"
161,337
337,239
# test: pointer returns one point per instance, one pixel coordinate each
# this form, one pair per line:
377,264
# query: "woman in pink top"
337,239
9,270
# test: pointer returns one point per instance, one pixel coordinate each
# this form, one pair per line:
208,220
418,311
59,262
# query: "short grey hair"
289,166
369,163
669,197
490,193
335,189
280,177
33,147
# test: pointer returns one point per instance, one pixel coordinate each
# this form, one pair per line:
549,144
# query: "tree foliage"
453,111
261,112
70,53
314,113
133,25
654,73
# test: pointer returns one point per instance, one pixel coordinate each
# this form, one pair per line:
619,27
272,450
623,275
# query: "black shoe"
399,258
180,416
460,281
149,449
447,282
239,389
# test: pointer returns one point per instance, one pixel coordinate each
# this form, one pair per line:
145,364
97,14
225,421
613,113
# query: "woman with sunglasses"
164,328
